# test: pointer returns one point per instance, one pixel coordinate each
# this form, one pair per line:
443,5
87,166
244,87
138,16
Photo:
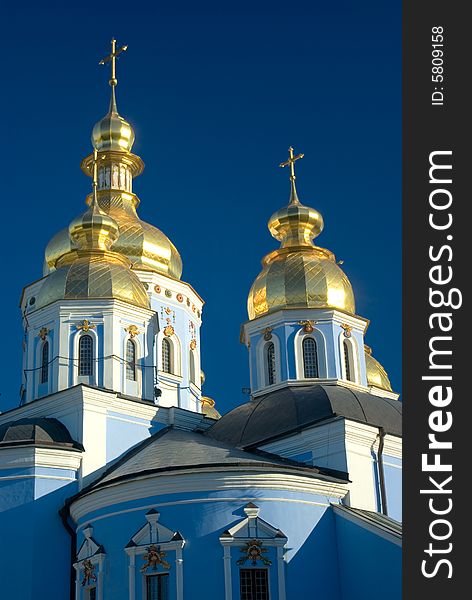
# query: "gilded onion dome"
298,274
93,270
376,374
144,245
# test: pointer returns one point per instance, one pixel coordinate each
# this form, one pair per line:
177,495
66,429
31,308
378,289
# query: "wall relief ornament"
254,551
89,572
347,330
168,330
267,333
85,325
193,344
43,333
308,326
132,330
154,557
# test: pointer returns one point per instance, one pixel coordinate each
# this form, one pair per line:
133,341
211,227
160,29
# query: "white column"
77,582
179,564
132,575
100,579
227,570
281,572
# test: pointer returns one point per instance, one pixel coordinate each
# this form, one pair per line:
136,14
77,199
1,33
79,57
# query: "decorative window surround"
166,540
91,556
246,531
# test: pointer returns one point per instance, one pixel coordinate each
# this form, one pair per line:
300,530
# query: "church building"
119,480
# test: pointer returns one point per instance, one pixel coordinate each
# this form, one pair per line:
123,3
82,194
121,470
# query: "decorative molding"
347,329
169,330
132,330
43,333
307,326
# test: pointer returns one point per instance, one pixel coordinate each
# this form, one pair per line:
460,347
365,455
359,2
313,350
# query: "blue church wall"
34,539
201,518
366,562
393,485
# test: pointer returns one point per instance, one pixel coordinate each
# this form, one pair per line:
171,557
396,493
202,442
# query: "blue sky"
216,94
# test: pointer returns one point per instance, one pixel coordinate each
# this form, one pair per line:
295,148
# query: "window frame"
90,373
160,577
316,367
254,592
270,366
44,372
130,363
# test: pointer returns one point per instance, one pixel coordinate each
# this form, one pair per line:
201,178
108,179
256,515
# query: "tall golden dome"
144,245
93,270
376,374
298,274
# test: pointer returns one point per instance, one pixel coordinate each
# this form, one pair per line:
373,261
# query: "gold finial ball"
113,133
296,224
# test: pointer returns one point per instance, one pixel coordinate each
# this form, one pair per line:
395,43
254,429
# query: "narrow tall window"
45,362
254,584
310,358
192,366
157,587
347,361
166,356
270,356
91,593
130,360
85,355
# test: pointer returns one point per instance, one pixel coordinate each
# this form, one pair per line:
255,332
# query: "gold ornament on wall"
43,333
347,330
254,551
267,333
308,326
132,330
154,557
168,330
89,572
85,325
193,344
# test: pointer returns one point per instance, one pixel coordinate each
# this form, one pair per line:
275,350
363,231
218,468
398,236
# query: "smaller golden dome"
376,374
298,274
208,408
94,229
113,132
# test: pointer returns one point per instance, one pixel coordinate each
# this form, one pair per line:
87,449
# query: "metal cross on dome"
111,58
291,162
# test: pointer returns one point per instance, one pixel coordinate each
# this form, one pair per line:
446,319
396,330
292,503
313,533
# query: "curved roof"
292,408
172,449
38,431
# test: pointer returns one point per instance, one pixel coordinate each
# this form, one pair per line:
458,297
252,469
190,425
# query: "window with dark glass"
92,593
270,355
45,362
347,361
166,356
157,587
310,358
254,584
130,360
86,355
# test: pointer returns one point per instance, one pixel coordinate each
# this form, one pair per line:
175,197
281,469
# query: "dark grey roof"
293,408
37,431
175,449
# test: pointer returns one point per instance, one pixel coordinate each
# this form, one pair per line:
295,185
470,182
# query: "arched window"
310,358
166,356
45,362
130,360
192,366
85,355
270,357
347,360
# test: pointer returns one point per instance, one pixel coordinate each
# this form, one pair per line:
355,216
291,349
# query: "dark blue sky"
216,94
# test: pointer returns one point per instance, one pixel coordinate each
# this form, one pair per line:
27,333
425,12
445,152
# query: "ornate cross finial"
291,162
111,58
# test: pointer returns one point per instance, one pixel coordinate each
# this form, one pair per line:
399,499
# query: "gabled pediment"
253,527
89,547
153,532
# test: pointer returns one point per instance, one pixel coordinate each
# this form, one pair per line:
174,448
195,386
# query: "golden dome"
298,274
113,132
94,276
91,270
144,245
376,374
